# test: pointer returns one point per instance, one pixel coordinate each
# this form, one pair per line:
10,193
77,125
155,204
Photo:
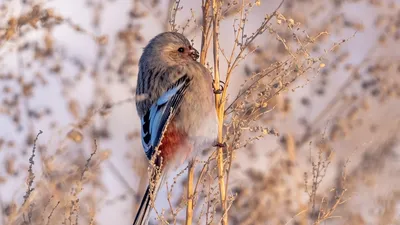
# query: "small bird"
175,102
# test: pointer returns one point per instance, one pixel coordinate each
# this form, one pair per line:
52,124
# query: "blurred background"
330,156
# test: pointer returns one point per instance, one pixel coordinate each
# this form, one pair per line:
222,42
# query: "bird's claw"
220,145
220,89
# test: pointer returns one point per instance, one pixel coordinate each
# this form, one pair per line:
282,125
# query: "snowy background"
101,80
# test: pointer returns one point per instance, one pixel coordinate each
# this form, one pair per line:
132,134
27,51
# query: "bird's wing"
160,113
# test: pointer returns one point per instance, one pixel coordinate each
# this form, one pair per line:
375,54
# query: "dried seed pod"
75,135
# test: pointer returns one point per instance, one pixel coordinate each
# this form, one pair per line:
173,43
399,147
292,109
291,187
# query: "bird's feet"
220,89
220,145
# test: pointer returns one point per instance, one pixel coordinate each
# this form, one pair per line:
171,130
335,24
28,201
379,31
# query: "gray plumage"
170,76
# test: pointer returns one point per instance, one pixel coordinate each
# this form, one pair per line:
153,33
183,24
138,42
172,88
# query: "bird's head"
170,48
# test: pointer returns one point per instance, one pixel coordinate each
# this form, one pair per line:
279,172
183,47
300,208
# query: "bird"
176,105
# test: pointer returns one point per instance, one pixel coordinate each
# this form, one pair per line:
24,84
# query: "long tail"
143,213
142,216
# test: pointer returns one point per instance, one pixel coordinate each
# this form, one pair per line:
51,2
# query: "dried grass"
300,115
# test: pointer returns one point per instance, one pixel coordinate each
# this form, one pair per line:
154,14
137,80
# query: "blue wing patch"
155,120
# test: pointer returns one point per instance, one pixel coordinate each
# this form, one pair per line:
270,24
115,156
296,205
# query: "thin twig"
31,175
120,177
89,160
206,26
51,213
173,11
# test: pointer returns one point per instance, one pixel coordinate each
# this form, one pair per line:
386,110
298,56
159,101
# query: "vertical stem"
220,110
205,32
167,24
215,7
189,207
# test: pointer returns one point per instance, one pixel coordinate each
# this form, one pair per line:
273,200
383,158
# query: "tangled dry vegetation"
308,110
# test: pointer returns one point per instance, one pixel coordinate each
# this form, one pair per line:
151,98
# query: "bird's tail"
143,213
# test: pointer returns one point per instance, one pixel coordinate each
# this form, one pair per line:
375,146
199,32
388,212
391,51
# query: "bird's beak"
194,54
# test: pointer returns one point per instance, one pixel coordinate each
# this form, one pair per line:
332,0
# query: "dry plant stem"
220,98
233,61
203,171
189,207
173,11
31,175
205,36
222,105
220,111
168,22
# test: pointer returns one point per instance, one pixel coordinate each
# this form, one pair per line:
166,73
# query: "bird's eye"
181,49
